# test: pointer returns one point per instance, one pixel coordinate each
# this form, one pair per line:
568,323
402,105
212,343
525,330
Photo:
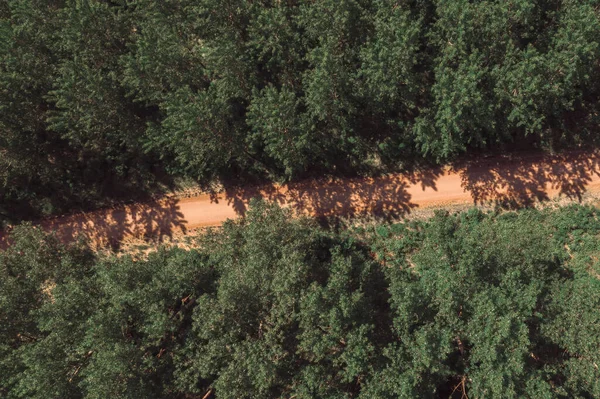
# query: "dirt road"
511,181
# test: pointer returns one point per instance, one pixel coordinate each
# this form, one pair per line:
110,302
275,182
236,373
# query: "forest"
104,102
112,100
496,305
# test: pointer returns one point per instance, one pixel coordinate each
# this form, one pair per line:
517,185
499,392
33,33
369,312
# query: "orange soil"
511,180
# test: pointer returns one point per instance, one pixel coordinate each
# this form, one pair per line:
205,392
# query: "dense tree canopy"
498,305
100,98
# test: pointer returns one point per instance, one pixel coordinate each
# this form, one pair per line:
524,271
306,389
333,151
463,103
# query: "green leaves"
389,60
280,130
277,311
494,305
202,130
473,304
100,99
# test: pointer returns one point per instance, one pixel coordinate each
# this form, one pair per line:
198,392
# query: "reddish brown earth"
509,180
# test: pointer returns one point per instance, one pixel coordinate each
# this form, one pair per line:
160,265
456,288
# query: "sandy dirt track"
509,180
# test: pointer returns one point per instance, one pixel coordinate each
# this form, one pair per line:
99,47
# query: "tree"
32,159
290,314
100,98
482,304
475,307
29,270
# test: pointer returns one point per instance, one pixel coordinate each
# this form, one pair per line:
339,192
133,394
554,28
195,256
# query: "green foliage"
98,99
280,132
488,305
29,271
290,316
483,305
70,136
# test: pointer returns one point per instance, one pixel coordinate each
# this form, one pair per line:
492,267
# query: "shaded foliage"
106,99
488,305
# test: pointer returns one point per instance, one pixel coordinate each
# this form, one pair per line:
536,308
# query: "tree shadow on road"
384,196
516,182
507,181
153,220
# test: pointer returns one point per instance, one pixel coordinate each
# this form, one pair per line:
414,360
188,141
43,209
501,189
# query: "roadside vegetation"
494,305
112,100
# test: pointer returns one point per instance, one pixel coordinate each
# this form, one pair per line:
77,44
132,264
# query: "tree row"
107,99
497,305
